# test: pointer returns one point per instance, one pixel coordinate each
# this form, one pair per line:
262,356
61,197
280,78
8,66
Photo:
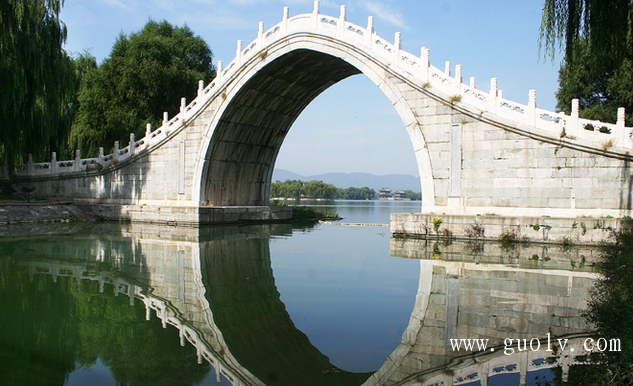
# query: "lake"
285,304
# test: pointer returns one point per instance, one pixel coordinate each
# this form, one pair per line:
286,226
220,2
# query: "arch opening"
248,136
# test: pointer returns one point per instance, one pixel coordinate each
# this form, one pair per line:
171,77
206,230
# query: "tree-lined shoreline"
319,190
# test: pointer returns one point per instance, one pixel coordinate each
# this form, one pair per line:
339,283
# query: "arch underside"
248,136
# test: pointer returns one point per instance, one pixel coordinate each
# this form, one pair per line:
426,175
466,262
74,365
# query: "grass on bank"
308,212
311,213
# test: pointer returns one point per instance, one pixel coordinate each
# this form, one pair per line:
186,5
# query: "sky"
351,127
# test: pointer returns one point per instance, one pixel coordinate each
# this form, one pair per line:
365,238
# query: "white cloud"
385,12
118,3
218,21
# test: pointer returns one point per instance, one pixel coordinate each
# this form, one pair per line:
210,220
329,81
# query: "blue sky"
351,127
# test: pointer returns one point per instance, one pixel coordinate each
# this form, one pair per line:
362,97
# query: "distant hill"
357,180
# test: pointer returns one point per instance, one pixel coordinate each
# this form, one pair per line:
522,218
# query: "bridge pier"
191,216
543,229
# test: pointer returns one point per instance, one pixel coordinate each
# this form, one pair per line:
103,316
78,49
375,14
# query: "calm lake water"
284,304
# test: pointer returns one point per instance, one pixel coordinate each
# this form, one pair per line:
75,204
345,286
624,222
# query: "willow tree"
146,73
36,78
596,37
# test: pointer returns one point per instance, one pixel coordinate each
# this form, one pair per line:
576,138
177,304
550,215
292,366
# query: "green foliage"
597,68
364,193
604,23
36,78
299,189
287,189
146,73
56,327
437,222
601,87
611,311
413,195
319,189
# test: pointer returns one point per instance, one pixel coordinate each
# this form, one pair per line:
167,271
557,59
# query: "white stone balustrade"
470,98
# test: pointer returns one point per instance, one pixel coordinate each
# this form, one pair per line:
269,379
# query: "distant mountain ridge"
357,180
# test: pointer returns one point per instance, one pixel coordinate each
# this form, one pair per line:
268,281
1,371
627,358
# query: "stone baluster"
425,63
625,139
284,21
200,87
531,109
183,107
238,53
574,119
492,103
218,77
117,152
132,145
54,166
315,14
500,94
472,82
397,46
181,335
341,20
457,87
101,157
148,310
484,372
370,31
447,68
30,169
199,350
166,123
218,370
77,164
148,134
260,35
523,367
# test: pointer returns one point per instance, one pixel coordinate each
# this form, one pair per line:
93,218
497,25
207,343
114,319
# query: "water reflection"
164,305
367,211
532,293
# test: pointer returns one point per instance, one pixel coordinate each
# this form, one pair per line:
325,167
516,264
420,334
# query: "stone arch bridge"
476,151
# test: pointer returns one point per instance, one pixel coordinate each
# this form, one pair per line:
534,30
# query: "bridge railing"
568,127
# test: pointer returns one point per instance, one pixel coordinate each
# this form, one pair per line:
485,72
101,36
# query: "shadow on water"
246,307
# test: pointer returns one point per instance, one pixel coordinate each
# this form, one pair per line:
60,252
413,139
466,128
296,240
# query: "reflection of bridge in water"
216,287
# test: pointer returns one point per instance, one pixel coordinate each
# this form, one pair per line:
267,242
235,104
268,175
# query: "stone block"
554,202
501,183
478,201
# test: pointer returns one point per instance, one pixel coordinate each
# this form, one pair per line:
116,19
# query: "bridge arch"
262,101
